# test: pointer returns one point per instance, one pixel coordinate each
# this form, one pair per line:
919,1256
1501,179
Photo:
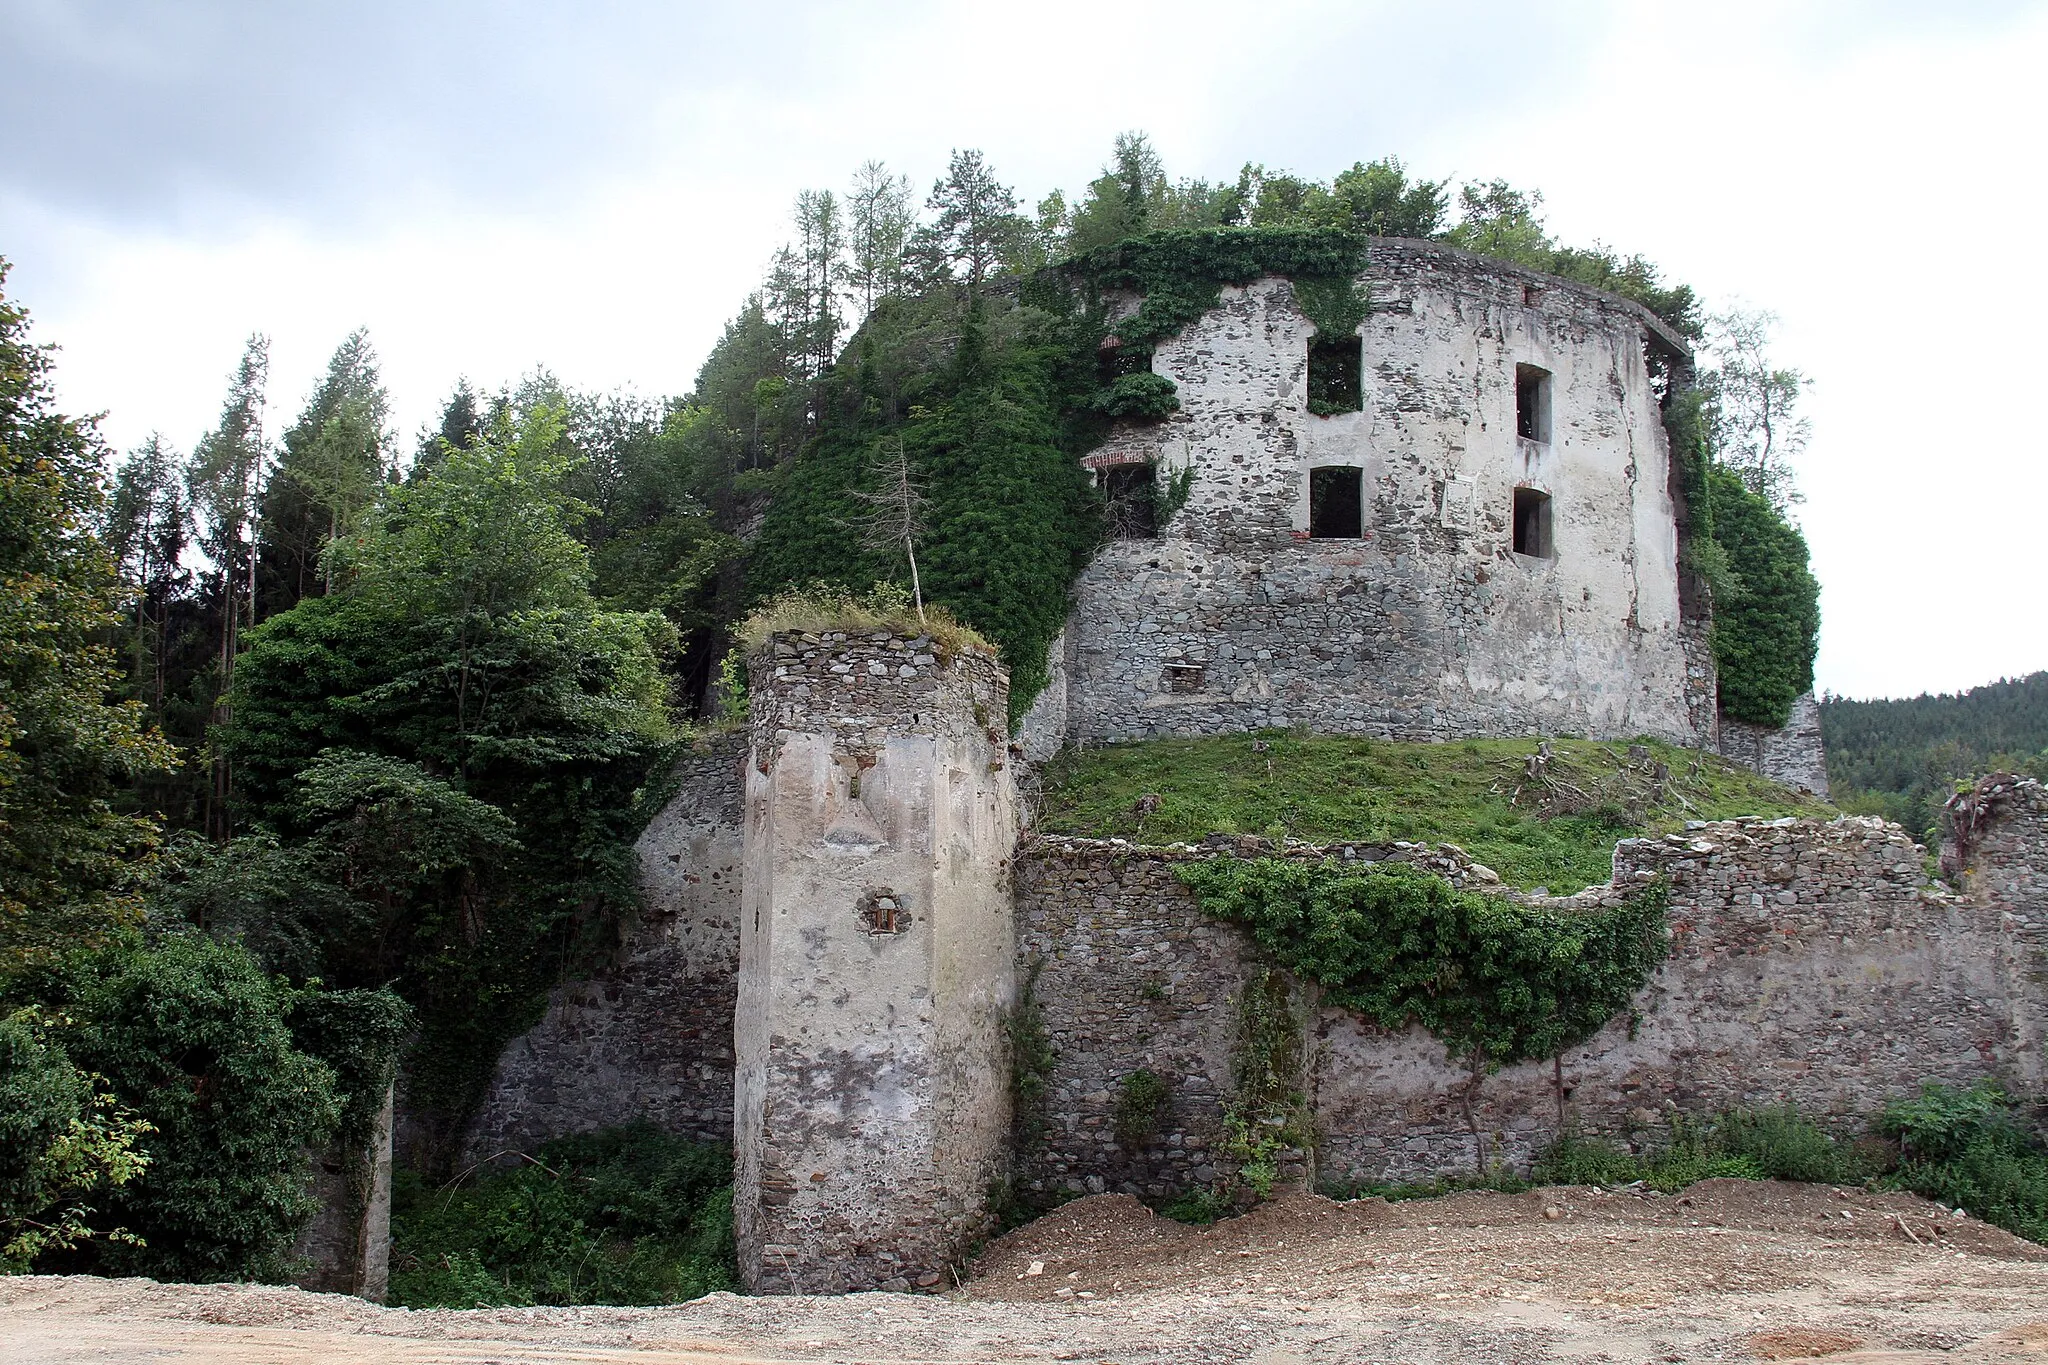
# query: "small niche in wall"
1532,523
1336,376
1129,495
882,912
1532,403
1336,503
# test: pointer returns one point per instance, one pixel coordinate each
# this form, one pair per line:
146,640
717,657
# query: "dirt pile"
1728,1270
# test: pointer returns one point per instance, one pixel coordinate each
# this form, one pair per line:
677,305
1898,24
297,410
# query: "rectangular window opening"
1532,523
1532,403
1113,362
1336,376
1336,503
1129,490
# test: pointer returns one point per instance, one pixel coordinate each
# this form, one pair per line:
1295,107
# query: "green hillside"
1557,829
1901,759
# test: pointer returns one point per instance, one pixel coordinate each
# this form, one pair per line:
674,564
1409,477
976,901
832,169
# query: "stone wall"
345,1248
1810,962
1793,753
1429,626
2006,865
650,1037
876,961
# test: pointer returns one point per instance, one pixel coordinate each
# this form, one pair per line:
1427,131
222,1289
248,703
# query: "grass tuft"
822,607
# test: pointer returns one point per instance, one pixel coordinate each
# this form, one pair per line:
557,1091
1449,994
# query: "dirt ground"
1728,1270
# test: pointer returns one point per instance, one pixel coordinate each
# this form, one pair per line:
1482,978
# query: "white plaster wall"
1429,626
872,1107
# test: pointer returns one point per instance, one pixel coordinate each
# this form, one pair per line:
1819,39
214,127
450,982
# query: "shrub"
62,1137
626,1216
1141,1108
1785,1146
1145,396
1968,1149
193,1038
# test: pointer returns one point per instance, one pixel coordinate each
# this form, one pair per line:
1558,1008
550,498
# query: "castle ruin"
1479,537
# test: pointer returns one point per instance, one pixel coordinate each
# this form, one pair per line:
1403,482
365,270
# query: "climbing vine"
1495,981
1267,1111
993,421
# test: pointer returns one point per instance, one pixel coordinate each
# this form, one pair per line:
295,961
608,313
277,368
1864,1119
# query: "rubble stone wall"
1810,962
1793,754
876,962
650,1037
1429,626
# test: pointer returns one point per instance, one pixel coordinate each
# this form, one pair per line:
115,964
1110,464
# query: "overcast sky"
494,186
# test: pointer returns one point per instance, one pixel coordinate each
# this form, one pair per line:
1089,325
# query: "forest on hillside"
1901,759
324,746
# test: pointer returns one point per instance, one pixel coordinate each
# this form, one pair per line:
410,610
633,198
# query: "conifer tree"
222,482
334,458
974,219
880,223
69,864
147,526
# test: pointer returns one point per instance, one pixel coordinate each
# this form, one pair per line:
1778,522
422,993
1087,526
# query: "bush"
1141,1108
61,1138
1967,1148
1145,396
1743,1144
625,1216
192,1037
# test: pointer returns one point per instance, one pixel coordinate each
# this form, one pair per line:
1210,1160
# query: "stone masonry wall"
1429,626
1793,754
1128,973
876,962
649,1038
2007,867
1810,962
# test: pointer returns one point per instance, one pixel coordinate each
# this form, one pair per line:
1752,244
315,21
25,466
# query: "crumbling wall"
2001,855
650,1037
1127,973
1793,753
1429,626
876,960
345,1248
1810,962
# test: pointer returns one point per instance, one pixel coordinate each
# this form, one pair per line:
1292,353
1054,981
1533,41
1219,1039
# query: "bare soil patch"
1728,1270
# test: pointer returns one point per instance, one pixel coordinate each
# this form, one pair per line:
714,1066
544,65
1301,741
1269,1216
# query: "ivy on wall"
994,417
1495,981
1767,613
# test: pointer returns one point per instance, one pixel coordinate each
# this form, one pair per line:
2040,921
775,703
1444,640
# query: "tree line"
1903,758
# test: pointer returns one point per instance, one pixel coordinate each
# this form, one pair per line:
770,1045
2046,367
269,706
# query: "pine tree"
974,219
227,469
334,459
69,864
147,527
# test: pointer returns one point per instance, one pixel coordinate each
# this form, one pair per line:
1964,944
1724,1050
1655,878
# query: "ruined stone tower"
877,961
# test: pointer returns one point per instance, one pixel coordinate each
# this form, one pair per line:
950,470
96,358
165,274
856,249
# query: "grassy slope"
1327,788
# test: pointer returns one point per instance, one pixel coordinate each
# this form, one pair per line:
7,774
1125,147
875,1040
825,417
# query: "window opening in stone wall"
1532,403
1532,523
1129,492
1336,376
1336,503
882,912
1113,362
